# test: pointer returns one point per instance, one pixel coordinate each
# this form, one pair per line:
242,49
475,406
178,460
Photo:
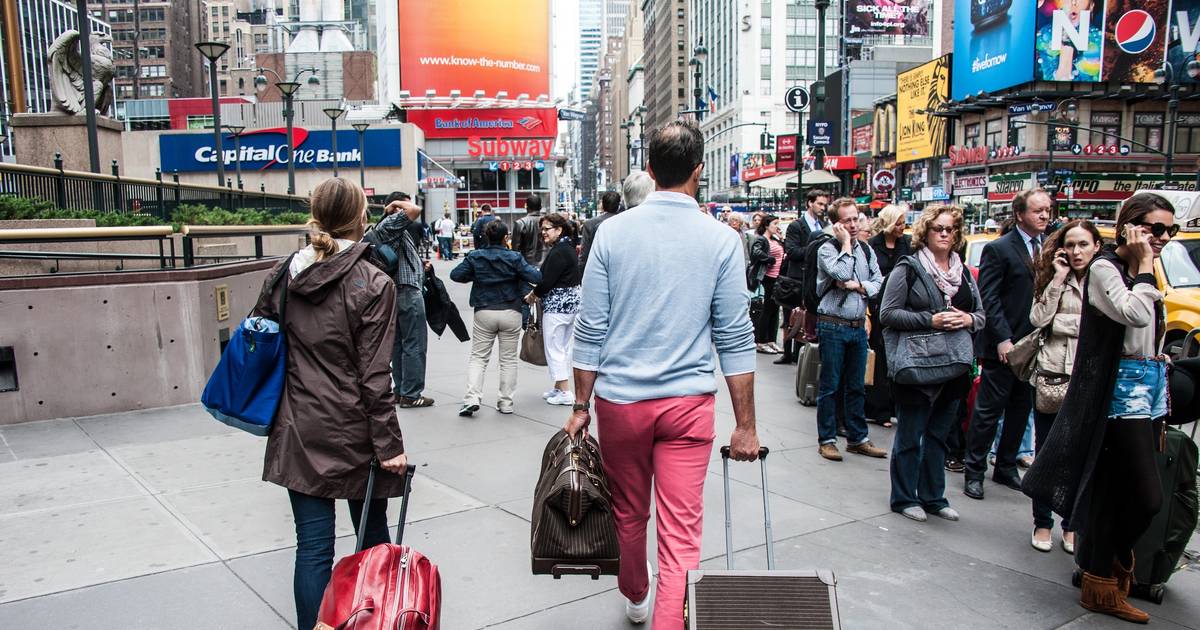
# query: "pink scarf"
947,282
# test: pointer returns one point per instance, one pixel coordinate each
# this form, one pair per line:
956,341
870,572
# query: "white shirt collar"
1027,238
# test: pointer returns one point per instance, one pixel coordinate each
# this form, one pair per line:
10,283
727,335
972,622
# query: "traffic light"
1012,136
766,141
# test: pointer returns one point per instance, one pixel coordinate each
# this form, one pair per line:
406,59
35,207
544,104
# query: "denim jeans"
412,339
1026,448
843,365
919,452
1141,390
314,547
444,247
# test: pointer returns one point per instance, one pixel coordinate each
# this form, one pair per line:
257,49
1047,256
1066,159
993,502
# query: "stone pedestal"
36,138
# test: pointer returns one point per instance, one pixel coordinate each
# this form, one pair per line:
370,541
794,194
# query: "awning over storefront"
811,178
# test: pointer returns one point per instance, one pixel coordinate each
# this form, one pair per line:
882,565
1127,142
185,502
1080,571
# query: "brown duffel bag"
573,531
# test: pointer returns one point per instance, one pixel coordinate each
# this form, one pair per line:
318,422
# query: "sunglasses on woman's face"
943,229
1158,229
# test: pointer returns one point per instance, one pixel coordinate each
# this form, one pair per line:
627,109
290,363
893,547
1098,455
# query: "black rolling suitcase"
735,600
1159,550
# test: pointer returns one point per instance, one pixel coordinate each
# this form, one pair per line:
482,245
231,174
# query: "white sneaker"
548,393
640,611
561,398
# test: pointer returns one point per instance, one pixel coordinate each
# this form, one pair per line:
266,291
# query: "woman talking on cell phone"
1097,467
1058,287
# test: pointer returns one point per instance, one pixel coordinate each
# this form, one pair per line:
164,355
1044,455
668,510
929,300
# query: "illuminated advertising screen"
920,135
1135,37
993,45
470,45
1185,37
1114,40
887,17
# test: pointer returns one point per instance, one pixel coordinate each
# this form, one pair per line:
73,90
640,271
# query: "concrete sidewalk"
158,520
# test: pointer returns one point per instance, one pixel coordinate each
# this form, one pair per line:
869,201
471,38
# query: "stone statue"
66,72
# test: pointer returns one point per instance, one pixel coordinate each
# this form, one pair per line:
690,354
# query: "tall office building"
615,12
755,56
591,43
154,46
666,54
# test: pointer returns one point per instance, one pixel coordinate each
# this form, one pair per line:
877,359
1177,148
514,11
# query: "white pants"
490,326
558,338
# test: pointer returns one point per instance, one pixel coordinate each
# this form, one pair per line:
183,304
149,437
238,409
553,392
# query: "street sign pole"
796,100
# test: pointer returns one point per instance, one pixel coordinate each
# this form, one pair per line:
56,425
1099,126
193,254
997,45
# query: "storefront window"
1187,134
1147,130
482,180
995,133
1109,123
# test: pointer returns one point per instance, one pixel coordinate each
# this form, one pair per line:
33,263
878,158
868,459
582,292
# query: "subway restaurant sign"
1112,187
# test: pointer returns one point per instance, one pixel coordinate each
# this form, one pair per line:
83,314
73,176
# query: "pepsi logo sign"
1135,31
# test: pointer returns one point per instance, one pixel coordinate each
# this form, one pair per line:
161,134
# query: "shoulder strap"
283,276
926,281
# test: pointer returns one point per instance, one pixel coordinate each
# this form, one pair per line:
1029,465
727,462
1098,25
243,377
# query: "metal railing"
41,236
167,257
115,193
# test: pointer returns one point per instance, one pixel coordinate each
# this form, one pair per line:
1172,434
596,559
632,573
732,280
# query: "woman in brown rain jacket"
338,411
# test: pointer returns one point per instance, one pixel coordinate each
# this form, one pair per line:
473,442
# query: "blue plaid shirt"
394,229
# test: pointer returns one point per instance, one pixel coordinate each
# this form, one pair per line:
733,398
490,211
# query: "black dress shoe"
1012,480
974,488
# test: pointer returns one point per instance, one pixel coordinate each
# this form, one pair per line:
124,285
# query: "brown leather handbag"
573,530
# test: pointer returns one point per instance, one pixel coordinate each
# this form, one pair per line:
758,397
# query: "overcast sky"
566,46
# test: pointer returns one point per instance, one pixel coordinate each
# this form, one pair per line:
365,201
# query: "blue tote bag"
245,389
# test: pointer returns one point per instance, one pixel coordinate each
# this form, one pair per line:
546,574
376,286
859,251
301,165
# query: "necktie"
1033,243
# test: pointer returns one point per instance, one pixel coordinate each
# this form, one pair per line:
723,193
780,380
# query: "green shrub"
14,208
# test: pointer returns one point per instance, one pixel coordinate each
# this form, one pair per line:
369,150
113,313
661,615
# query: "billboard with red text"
470,45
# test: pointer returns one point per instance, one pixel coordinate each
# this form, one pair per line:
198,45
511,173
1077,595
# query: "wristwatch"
582,406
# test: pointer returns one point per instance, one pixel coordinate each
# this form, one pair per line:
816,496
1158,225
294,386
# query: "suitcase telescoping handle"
366,510
762,458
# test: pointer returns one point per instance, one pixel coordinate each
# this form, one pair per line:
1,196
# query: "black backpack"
811,297
381,254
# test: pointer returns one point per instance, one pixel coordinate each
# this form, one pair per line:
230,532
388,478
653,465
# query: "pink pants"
669,441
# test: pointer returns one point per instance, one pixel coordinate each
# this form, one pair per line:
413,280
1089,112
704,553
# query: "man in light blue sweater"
664,286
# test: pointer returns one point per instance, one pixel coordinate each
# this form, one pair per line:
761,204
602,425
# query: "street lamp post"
288,90
640,112
1167,75
237,130
361,128
89,94
212,51
628,127
334,113
699,55
818,93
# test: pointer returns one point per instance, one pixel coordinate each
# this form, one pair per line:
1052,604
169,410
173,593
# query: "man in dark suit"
1006,286
810,221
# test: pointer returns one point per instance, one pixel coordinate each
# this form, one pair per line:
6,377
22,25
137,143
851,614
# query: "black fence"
75,190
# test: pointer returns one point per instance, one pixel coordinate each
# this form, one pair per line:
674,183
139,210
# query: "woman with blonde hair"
930,293
338,411
890,245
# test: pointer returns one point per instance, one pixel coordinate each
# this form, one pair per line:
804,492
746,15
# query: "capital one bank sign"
266,149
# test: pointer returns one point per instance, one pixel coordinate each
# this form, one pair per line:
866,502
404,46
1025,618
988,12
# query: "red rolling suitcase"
386,587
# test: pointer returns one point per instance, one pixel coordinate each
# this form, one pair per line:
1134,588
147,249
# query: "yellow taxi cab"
973,244
1178,270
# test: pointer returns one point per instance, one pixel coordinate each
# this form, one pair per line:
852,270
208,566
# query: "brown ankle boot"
1101,594
1123,576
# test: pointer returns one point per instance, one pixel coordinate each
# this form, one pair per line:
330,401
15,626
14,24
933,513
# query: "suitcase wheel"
1077,578
1156,592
